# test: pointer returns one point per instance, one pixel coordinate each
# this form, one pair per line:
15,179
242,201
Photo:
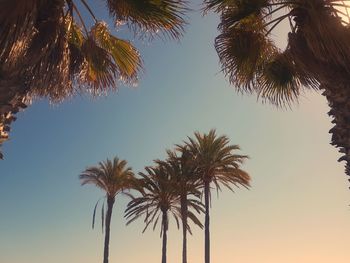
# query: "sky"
297,209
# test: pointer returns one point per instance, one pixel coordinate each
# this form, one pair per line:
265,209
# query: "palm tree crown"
219,165
113,177
48,49
317,55
159,199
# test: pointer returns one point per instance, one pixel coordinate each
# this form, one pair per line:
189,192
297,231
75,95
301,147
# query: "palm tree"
158,199
112,177
317,55
182,169
48,49
219,166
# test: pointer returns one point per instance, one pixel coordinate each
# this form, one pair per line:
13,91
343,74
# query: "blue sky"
297,209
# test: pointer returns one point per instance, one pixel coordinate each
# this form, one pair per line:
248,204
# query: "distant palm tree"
219,166
181,167
113,177
47,48
317,55
158,199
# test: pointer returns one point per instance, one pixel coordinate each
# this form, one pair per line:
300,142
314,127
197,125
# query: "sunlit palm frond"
17,19
99,73
166,16
125,55
49,54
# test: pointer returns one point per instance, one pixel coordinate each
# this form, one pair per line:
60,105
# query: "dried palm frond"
166,16
50,75
17,19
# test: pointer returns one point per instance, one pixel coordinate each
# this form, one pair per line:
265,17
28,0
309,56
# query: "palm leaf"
93,215
100,73
102,216
166,16
242,52
124,54
279,81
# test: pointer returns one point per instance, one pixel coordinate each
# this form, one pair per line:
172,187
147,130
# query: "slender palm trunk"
110,203
184,210
165,229
206,222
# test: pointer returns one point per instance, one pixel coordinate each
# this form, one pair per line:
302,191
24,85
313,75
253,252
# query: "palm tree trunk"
334,79
165,229
11,101
338,96
184,210
206,222
110,203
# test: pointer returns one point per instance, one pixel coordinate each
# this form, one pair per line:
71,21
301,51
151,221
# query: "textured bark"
338,97
334,79
206,222
12,100
110,203
165,230
184,211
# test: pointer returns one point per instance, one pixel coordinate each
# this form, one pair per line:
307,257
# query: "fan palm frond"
166,16
125,55
242,51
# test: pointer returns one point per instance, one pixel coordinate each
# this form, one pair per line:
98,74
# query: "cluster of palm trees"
171,187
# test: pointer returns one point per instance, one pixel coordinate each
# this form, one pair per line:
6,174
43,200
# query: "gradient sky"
296,211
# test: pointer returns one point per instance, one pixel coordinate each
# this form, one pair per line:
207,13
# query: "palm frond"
242,51
124,54
165,16
279,82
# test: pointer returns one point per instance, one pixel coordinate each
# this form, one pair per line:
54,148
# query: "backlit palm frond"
99,73
76,39
50,75
125,56
233,11
279,82
166,16
242,51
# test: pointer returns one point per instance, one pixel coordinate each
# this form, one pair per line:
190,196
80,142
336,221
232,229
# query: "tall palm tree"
48,48
112,177
219,166
158,199
181,167
317,55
